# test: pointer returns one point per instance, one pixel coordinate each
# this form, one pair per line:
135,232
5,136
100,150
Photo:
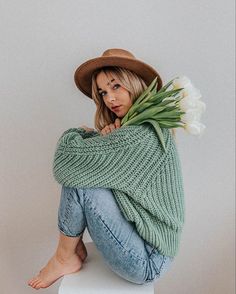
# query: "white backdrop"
42,43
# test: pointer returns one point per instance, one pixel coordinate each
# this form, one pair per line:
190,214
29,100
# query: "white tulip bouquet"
177,104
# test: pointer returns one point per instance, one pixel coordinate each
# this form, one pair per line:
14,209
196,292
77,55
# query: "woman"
117,181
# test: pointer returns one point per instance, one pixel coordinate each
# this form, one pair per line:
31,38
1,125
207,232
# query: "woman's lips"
116,108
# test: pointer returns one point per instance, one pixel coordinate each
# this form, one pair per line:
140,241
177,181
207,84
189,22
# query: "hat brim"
83,74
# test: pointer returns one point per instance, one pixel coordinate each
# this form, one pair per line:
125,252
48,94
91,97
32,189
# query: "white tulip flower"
201,106
187,102
190,102
181,82
191,91
190,116
195,128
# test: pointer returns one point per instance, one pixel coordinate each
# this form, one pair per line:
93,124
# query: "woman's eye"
105,92
101,94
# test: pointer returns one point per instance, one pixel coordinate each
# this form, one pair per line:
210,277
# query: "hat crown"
117,53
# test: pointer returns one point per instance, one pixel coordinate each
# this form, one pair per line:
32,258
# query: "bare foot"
55,269
81,250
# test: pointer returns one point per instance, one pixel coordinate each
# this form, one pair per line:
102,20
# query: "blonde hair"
132,82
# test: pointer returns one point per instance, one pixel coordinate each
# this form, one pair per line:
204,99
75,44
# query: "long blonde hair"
132,82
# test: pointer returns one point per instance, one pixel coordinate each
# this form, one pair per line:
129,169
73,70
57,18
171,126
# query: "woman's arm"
100,161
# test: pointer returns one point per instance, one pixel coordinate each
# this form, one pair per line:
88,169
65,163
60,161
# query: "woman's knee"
74,194
98,197
80,196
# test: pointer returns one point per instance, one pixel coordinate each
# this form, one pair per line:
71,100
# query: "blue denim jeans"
123,250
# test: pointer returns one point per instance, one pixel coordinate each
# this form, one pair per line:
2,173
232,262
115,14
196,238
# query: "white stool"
96,277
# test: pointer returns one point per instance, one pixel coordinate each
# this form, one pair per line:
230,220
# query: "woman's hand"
87,129
111,127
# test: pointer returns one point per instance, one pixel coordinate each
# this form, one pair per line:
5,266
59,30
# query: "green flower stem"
152,107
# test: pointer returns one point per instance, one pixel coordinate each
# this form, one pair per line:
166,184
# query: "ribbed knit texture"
146,182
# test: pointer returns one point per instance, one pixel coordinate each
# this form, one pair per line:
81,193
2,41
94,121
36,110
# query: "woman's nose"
111,97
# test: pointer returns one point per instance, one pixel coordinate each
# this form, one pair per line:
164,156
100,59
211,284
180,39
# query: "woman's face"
113,94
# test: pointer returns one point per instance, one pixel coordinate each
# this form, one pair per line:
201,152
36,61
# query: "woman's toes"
38,285
36,282
31,282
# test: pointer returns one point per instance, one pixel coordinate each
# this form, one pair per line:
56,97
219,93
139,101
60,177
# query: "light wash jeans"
123,250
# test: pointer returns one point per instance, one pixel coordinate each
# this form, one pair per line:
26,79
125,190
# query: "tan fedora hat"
113,57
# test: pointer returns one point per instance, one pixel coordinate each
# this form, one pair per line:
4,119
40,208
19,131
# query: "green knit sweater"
146,181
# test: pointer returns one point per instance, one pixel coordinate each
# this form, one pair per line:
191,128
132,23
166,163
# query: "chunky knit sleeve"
110,161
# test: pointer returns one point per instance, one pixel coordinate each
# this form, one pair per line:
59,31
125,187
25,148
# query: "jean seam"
113,236
67,210
151,252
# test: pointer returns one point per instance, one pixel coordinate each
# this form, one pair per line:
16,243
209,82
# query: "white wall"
42,43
